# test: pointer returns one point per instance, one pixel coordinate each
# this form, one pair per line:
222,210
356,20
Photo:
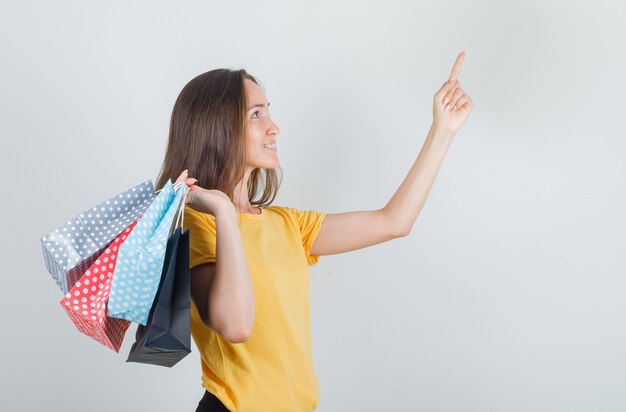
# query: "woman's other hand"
451,105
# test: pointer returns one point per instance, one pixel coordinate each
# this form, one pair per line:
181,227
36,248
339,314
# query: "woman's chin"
272,165
267,166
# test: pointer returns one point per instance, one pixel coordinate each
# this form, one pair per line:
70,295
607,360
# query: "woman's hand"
209,201
451,106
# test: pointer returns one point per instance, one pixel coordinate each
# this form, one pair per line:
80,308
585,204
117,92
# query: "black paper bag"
166,337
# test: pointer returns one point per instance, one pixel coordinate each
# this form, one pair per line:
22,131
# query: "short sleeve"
202,236
310,224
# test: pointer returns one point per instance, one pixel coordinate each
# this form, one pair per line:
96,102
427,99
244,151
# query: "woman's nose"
274,128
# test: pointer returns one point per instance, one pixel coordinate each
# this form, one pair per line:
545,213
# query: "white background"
508,295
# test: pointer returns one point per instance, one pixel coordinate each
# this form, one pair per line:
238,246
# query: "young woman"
249,259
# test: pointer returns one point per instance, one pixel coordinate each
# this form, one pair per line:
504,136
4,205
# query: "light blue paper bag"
140,258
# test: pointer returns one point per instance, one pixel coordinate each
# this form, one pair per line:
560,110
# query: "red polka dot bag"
86,302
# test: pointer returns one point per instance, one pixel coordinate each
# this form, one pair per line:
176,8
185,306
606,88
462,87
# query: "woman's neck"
241,199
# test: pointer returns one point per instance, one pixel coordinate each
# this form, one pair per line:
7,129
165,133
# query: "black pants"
210,403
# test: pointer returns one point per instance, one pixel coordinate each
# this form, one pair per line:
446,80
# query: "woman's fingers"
446,91
182,177
449,91
456,69
465,101
458,93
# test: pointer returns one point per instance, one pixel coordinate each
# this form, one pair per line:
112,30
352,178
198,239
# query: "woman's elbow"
234,329
402,232
229,332
239,335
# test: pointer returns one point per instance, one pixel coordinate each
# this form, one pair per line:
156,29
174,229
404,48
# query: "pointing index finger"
456,69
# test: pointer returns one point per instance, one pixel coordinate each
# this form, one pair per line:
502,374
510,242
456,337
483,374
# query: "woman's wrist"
225,209
439,132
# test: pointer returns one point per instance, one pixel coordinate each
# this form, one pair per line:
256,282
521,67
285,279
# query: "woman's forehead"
255,93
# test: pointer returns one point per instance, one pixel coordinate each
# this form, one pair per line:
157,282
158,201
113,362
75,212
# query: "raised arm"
344,232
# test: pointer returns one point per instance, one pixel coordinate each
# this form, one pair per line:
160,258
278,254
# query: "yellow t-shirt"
273,369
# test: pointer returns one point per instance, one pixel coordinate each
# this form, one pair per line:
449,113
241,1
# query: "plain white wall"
508,295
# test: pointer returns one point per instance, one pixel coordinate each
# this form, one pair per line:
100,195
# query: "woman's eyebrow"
259,105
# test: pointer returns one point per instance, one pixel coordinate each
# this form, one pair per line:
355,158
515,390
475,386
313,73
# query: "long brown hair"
207,136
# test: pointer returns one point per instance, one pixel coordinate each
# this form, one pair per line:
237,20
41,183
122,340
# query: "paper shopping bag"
86,302
140,259
166,339
70,249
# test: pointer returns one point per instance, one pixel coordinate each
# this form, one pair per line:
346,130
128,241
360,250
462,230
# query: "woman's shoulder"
283,209
277,209
285,212
294,213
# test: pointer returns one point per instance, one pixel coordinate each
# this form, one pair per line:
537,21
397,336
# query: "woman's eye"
255,113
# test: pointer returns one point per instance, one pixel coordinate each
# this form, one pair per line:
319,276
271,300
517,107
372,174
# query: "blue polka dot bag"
141,257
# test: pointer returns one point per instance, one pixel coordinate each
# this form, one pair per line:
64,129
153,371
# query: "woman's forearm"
231,298
406,203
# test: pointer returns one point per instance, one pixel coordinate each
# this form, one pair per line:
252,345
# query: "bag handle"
181,206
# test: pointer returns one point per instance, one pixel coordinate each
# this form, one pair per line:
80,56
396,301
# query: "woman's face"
262,131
